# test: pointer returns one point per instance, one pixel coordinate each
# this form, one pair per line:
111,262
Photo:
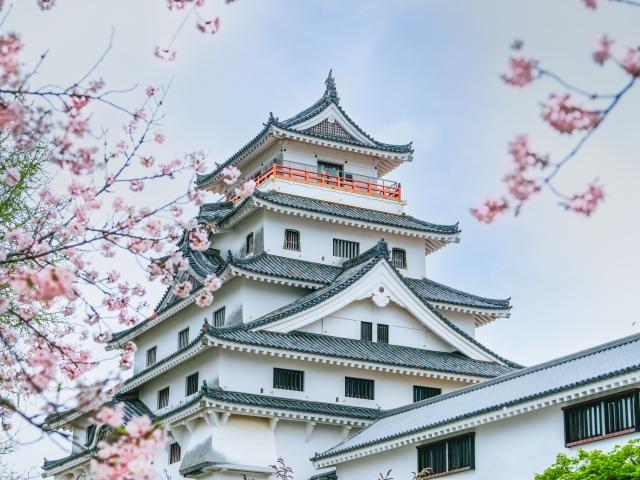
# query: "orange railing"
299,172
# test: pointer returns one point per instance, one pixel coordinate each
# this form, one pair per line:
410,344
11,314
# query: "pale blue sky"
426,71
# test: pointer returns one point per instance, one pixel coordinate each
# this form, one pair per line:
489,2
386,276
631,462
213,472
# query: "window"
451,455
383,333
191,384
218,317
288,379
291,240
607,417
151,356
183,338
174,453
366,331
330,168
249,244
358,388
345,248
399,258
422,393
90,432
163,398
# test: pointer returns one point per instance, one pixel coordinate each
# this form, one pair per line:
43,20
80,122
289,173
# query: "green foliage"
621,463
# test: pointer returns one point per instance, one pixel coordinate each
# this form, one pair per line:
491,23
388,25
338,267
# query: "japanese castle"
329,345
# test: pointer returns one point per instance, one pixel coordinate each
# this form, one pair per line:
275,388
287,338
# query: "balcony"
310,174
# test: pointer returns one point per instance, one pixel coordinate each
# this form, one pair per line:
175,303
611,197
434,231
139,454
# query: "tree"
621,463
534,172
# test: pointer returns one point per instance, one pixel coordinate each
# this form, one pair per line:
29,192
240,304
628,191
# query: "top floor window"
399,258
183,338
607,417
345,248
291,240
218,317
249,244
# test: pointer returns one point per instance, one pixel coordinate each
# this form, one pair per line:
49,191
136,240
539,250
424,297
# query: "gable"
404,328
329,128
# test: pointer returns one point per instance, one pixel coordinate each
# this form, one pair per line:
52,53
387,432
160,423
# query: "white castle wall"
513,448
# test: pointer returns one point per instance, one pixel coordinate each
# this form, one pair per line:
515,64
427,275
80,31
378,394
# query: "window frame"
187,379
363,327
447,454
173,451
418,388
249,243
365,381
224,316
153,349
602,404
288,375
180,343
345,245
288,245
160,396
403,253
90,434
384,329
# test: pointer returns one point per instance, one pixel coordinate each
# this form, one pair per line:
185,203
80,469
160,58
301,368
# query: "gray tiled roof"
581,368
51,464
355,213
351,349
330,97
437,292
290,268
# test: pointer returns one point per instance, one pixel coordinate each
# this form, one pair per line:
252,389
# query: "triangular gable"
382,284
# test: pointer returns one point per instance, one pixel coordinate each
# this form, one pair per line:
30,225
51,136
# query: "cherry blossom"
204,298
631,62
489,210
246,190
586,202
111,416
209,26
603,52
212,282
183,289
230,175
590,4
199,239
166,54
567,118
521,72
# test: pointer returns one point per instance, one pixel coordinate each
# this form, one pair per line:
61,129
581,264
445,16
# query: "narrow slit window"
288,379
249,244
345,248
218,317
163,398
191,384
399,258
453,455
383,333
152,356
291,240
366,331
90,433
183,338
175,453
359,388
422,393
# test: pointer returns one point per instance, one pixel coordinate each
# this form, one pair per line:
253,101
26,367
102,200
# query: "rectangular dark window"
191,384
163,398
291,240
345,248
151,356
183,338
218,317
288,379
383,333
399,258
249,244
451,455
607,417
359,388
90,432
174,453
366,331
422,393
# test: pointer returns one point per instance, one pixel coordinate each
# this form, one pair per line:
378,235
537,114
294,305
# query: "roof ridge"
447,287
379,250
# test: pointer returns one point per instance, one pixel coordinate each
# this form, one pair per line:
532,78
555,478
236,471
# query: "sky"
425,71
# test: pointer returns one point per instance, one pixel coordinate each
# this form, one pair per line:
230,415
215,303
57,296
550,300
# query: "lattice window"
345,248
422,393
175,453
191,384
329,129
218,317
366,331
399,258
288,379
359,388
291,240
151,356
456,454
383,333
183,338
163,398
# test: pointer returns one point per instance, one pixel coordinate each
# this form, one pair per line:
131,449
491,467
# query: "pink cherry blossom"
166,54
631,62
158,137
586,202
567,118
11,176
489,210
209,26
53,282
183,289
521,72
523,156
247,189
112,417
603,52
212,282
136,186
150,91
590,4
199,239
230,175
204,298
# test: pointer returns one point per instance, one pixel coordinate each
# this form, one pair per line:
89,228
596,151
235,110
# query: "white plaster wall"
404,329
464,321
260,298
316,241
235,239
323,383
509,449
